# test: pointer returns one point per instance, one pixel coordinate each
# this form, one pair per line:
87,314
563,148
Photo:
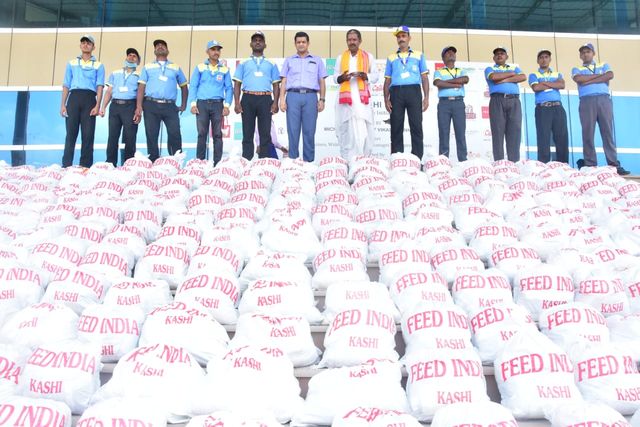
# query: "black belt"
123,101
451,98
505,95
210,101
549,104
159,100
298,90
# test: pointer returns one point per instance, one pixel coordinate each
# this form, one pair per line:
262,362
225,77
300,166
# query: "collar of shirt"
211,66
549,71
258,59
308,55
92,59
501,67
584,64
409,51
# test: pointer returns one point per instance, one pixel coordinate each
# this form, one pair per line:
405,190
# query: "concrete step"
523,423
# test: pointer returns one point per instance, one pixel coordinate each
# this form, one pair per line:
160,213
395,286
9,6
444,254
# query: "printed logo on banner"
485,112
226,129
468,110
237,131
330,65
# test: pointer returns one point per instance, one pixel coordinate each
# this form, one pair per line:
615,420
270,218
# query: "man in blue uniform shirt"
122,89
405,72
595,106
450,82
211,91
258,79
505,111
157,94
303,77
81,97
550,114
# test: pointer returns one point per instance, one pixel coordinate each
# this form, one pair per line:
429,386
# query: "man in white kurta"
354,119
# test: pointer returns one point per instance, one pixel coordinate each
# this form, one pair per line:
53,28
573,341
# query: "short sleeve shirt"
445,74
506,88
406,68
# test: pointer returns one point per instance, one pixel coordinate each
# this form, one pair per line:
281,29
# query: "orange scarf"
363,86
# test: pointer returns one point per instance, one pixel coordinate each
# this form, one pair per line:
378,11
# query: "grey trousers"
448,111
597,108
505,117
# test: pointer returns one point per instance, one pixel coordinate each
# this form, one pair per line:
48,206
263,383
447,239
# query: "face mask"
128,64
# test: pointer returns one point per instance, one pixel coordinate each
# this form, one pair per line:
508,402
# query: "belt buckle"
303,91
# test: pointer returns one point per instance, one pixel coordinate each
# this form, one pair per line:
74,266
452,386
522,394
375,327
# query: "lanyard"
163,68
452,76
595,67
126,76
404,60
258,64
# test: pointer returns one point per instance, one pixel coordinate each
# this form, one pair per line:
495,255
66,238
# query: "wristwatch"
321,99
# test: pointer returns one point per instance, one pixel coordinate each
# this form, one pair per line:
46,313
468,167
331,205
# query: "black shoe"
580,163
622,171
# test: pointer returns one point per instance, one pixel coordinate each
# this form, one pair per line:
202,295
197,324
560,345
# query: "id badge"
123,89
258,74
405,75
163,78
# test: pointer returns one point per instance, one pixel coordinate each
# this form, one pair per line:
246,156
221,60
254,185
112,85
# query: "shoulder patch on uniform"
97,64
151,66
223,69
173,66
392,57
73,62
202,67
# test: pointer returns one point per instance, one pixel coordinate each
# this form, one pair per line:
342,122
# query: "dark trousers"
302,115
452,110
505,118
79,105
256,106
552,120
598,108
210,115
406,98
121,120
154,114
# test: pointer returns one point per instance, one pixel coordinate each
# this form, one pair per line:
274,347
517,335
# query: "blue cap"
88,37
213,43
447,48
401,29
587,46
